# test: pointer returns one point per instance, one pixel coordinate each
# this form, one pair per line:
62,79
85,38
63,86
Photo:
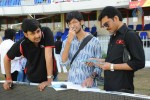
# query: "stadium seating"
2,3
131,26
38,1
87,29
10,2
64,36
145,38
94,31
139,27
57,34
143,35
49,1
147,27
19,35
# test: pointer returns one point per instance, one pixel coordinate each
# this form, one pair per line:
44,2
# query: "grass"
141,81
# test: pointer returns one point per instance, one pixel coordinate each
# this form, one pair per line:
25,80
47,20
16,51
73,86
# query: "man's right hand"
8,84
71,34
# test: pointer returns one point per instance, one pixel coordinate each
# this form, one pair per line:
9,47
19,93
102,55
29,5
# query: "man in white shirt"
9,36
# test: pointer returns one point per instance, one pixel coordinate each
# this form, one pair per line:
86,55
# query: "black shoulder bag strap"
82,45
126,54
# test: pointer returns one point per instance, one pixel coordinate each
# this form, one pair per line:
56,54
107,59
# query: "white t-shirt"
15,64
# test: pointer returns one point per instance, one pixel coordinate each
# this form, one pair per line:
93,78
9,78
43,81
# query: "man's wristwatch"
112,67
50,76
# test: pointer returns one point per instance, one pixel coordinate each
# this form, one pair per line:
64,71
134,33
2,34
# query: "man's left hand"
88,82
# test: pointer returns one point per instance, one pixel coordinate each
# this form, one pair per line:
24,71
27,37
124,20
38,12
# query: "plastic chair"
7,2
57,34
3,3
3,38
19,35
39,1
131,26
65,34
147,27
87,29
94,31
143,35
48,1
11,3
16,2
35,1
139,27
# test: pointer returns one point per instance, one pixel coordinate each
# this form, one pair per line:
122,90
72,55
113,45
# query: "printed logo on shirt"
120,41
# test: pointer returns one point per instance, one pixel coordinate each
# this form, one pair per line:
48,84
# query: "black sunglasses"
105,24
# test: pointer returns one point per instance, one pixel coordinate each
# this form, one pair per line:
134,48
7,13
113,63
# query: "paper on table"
56,86
90,89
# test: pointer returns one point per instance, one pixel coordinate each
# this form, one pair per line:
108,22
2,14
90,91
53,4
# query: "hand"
90,64
88,82
44,84
7,85
71,34
104,66
93,61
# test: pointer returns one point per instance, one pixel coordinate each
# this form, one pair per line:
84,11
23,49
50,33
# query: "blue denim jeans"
22,76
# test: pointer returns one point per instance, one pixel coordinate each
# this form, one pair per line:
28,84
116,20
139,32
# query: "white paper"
56,86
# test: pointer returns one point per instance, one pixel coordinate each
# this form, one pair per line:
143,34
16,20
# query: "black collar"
122,29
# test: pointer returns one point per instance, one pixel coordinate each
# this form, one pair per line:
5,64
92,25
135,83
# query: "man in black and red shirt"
36,46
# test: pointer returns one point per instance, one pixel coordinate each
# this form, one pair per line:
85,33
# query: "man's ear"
25,34
116,18
82,22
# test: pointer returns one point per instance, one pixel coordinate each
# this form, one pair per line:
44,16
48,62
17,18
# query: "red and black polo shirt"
36,64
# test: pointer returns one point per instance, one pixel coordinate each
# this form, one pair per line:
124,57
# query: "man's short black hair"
74,15
30,25
110,12
9,34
